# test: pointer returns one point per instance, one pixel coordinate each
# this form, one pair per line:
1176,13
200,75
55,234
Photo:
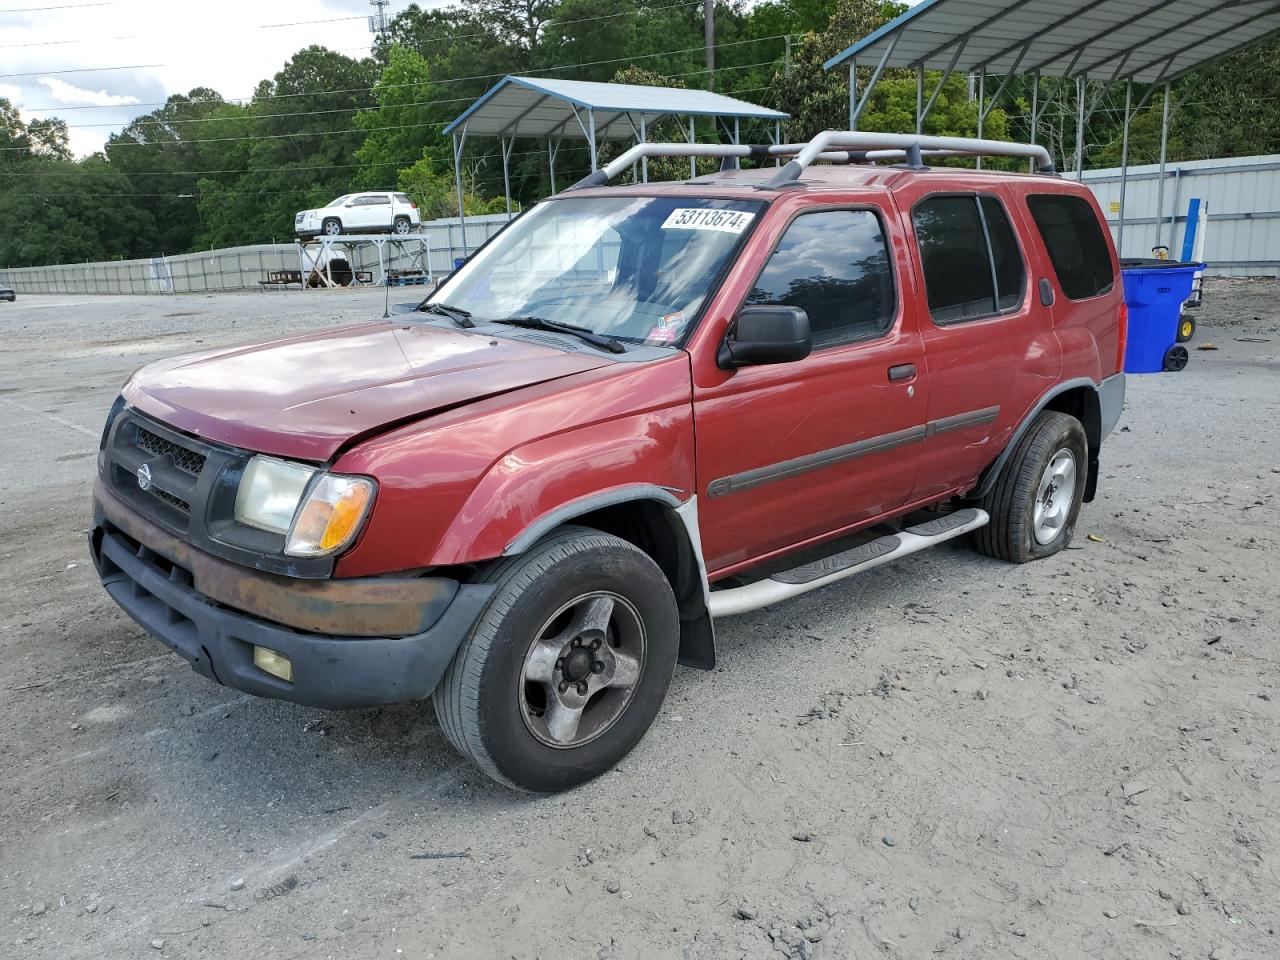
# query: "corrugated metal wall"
1243,194
242,268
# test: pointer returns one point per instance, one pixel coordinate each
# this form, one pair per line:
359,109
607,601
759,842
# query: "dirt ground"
947,756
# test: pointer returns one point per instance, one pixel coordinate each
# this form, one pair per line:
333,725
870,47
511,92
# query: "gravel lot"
945,757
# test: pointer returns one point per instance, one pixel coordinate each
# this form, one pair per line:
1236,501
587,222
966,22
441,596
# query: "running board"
819,573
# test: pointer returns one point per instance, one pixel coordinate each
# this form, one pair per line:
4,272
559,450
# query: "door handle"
903,371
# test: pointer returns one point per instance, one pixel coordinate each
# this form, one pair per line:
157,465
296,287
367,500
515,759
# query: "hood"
308,396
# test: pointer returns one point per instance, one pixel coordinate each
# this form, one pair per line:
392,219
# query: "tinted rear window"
1075,243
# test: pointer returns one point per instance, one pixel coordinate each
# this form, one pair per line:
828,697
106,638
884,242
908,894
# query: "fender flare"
583,505
988,479
697,633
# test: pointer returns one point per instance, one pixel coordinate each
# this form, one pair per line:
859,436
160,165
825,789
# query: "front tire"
567,666
332,227
1036,499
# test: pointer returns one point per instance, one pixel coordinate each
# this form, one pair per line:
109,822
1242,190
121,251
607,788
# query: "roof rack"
834,146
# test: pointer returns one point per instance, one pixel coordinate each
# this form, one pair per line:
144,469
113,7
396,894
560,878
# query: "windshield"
633,268
339,202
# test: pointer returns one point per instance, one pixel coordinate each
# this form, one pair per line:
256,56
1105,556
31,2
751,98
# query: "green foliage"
399,130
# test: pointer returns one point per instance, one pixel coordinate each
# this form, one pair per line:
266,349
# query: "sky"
99,63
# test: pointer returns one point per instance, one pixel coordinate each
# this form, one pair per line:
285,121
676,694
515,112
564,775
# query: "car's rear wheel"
568,665
331,227
402,225
1036,498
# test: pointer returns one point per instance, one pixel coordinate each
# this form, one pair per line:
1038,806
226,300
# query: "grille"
188,461
170,499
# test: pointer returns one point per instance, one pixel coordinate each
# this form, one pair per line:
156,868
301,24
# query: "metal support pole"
777,139
737,132
853,94
982,107
458,143
551,163
644,161
1035,110
1082,83
693,161
1164,157
591,135
1124,163
506,171
920,99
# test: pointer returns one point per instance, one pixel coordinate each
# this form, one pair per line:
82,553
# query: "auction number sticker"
706,218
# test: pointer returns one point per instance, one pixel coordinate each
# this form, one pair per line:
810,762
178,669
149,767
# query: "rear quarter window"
1075,243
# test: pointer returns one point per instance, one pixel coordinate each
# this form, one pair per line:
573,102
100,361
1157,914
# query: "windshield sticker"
667,329
705,218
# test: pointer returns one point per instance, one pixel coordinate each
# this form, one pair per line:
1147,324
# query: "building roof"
1148,41
543,107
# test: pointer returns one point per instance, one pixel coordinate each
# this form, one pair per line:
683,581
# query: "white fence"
1242,236
241,268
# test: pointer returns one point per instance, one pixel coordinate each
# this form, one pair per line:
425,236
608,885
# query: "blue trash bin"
1154,291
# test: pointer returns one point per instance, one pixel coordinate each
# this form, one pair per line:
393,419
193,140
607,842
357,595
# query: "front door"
800,451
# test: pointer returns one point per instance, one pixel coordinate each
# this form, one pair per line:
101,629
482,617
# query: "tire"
487,702
331,227
1176,358
402,226
1014,533
1186,328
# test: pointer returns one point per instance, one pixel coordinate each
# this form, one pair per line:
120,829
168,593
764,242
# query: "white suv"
377,212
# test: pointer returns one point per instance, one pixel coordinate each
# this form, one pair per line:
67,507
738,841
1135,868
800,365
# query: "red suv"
634,410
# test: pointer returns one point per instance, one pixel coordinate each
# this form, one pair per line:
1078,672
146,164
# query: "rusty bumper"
352,643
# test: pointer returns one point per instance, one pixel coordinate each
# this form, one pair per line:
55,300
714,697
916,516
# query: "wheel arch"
1077,398
654,520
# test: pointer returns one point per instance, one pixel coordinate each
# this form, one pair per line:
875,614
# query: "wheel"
568,664
402,226
1176,357
332,227
1186,328
1036,498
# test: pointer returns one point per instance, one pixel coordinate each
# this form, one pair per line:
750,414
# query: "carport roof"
543,107
1148,41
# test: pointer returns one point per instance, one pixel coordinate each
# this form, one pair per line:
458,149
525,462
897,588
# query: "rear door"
798,451
377,210
987,338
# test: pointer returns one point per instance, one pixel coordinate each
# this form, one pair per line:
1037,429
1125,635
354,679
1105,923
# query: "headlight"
317,513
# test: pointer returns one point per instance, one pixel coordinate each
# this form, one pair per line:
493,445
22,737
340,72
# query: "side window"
834,264
972,265
1011,275
1076,246
375,199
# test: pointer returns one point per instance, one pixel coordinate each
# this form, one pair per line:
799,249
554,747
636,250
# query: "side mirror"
766,334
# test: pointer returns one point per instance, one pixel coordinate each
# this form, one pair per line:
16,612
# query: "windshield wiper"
459,316
582,333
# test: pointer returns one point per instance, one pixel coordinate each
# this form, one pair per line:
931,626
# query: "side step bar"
810,576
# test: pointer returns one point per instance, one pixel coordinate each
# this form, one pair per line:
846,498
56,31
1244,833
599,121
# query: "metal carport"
1152,42
549,109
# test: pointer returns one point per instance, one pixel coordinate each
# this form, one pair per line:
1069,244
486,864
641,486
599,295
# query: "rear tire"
568,664
1036,498
402,226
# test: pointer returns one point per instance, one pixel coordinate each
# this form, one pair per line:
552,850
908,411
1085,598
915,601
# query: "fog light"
273,663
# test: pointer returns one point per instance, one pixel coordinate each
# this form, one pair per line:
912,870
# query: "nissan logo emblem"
144,477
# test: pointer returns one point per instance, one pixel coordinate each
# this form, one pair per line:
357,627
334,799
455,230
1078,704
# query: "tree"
49,138
400,129
71,212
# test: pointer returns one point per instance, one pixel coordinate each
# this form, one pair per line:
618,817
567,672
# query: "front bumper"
156,579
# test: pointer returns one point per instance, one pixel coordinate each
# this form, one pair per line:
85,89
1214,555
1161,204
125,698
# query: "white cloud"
11,93
64,92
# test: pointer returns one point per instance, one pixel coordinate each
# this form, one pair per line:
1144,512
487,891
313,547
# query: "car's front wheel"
332,227
568,665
